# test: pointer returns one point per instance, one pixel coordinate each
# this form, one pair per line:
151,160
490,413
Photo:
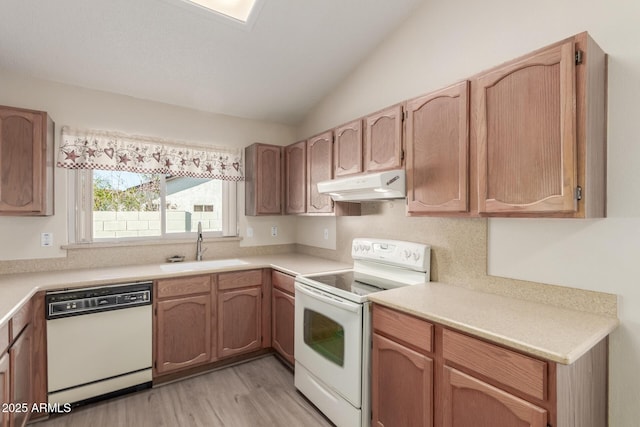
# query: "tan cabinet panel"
319,168
296,178
183,333
437,139
383,140
26,162
263,180
348,149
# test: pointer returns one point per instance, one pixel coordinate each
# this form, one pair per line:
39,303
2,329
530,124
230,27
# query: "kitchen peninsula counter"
554,333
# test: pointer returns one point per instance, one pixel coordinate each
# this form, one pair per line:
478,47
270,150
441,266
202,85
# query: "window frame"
80,190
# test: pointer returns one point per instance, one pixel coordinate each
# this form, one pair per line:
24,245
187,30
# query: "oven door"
328,340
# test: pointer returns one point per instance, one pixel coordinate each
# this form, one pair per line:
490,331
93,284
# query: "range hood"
372,186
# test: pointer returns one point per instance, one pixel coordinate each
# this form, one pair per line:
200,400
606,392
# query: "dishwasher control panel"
74,302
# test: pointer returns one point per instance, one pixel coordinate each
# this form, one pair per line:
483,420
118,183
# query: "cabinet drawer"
282,281
19,321
411,330
239,279
4,338
507,367
180,286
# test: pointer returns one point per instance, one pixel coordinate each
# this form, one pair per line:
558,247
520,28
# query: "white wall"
78,107
449,40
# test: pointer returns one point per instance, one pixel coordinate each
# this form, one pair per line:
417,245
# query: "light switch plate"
274,230
326,234
249,231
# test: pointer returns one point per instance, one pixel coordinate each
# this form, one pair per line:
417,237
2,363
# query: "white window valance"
92,149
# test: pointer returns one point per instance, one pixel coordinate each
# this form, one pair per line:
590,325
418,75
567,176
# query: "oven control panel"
415,256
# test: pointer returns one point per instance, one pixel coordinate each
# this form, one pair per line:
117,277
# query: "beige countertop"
558,334
16,289
549,332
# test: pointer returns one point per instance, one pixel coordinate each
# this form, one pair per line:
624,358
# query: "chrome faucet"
199,250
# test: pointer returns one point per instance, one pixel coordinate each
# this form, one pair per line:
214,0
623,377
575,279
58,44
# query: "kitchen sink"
201,265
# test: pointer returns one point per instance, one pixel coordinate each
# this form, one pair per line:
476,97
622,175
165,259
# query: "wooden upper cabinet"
437,138
347,149
295,157
540,145
383,140
319,168
26,162
263,180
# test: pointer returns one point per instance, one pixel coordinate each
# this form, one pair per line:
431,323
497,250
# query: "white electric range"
333,325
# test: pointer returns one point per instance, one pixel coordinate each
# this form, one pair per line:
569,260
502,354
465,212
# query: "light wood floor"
256,393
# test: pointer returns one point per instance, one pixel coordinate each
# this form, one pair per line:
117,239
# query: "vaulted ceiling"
276,68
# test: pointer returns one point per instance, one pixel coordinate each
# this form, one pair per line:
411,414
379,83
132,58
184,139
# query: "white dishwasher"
99,342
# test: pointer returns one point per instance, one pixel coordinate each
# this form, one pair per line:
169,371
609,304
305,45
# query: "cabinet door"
282,323
348,149
383,140
525,130
402,385
20,364
4,388
296,178
469,402
263,187
183,333
22,155
437,140
239,321
320,168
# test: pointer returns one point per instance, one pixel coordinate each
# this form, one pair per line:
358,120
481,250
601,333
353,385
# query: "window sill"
154,242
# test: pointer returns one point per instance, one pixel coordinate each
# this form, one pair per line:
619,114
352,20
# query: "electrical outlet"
46,239
249,231
274,230
326,234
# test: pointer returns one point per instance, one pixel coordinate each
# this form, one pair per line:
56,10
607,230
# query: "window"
129,205
203,208
133,187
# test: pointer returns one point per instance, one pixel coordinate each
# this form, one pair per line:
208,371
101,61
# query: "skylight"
236,9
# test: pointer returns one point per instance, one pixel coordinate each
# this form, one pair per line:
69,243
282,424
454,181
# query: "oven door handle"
327,298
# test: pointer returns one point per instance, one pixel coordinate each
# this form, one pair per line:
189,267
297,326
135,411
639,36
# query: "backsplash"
458,255
138,255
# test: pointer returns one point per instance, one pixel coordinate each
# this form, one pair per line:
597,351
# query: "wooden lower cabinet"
20,375
239,321
183,323
183,333
428,374
240,312
283,314
201,319
4,388
470,402
402,385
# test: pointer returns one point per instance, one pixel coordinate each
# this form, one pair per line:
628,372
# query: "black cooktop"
345,281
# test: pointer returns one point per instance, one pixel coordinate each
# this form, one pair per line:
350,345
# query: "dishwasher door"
99,353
